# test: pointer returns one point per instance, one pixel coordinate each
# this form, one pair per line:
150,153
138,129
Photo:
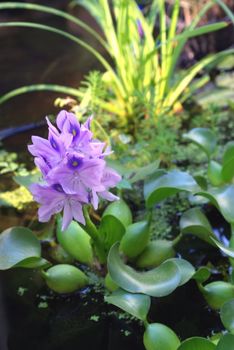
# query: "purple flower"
73,168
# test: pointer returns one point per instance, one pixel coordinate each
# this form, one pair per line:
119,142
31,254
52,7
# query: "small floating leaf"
160,337
195,222
196,343
156,190
135,239
17,244
203,138
217,293
157,282
65,278
137,305
227,315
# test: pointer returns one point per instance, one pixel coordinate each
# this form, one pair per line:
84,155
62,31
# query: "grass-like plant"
142,82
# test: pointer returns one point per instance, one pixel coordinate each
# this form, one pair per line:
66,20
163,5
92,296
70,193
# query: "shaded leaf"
202,274
193,221
16,245
217,293
226,342
203,138
142,173
227,315
227,250
137,305
135,239
155,253
214,173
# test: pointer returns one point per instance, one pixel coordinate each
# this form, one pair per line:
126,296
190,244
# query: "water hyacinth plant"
74,170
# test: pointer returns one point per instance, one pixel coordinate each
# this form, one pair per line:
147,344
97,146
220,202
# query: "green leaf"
16,245
65,278
159,188
142,173
158,282
186,269
214,173
203,138
227,250
75,241
229,152
217,293
202,274
228,170
196,343
135,239
34,263
137,305
226,342
160,337
193,221
115,219
227,315
155,253
223,199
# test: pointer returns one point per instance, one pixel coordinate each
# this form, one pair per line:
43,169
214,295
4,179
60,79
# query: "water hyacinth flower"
74,170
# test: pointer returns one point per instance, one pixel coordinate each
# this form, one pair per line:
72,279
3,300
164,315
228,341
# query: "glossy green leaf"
155,253
223,199
34,263
159,188
228,170
144,172
135,239
226,342
227,315
76,242
65,278
203,138
214,173
202,274
157,282
217,293
115,220
160,337
186,269
137,305
227,250
229,152
193,221
196,343
16,245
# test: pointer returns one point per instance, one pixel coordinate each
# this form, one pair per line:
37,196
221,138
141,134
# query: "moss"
18,198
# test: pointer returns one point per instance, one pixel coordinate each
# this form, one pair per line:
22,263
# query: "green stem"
92,231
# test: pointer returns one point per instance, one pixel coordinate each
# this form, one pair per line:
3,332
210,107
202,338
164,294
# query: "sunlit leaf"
159,188
195,222
214,173
160,337
137,305
223,199
204,138
217,293
16,245
155,253
227,315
